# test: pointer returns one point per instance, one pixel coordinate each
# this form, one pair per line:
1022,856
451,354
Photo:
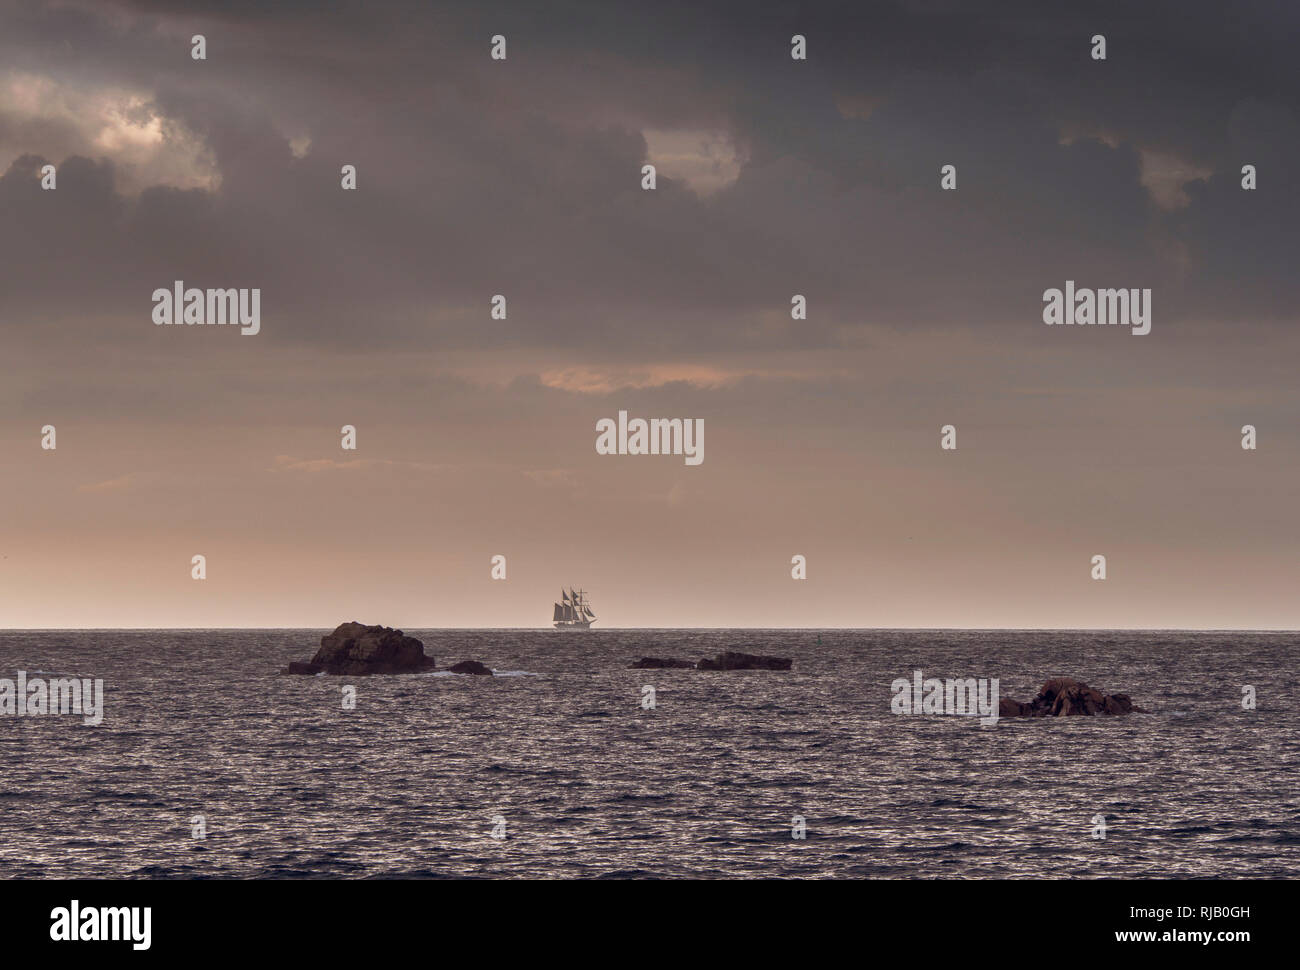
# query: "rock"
356,649
732,660
1065,696
471,667
661,663
1119,704
1009,708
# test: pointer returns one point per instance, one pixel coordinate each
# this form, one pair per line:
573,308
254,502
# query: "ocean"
558,756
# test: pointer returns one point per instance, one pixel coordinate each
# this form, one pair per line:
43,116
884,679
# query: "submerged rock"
356,649
1009,708
662,663
732,660
1067,696
471,667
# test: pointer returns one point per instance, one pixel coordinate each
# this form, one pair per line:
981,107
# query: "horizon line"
885,629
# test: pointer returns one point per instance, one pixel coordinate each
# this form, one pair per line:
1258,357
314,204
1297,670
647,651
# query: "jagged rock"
471,667
1065,696
1121,704
732,660
356,649
661,663
1009,708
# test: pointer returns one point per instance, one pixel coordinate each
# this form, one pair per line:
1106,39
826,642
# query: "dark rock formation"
732,660
1009,708
1066,696
661,663
356,649
471,667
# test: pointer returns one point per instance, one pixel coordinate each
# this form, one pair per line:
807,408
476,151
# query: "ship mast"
572,610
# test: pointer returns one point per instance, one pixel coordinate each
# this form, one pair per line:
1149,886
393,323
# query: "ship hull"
573,625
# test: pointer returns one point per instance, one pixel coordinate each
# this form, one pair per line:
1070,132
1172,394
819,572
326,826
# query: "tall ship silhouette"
573,612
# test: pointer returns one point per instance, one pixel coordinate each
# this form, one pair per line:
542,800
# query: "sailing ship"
573,612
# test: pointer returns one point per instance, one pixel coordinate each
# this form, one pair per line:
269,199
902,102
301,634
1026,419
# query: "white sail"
572,612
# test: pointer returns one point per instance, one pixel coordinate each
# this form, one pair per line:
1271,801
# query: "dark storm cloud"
522,178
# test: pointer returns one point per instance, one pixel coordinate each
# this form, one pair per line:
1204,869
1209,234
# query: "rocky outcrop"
732,660
1066,696
471,667
663,663
1009,708
359,650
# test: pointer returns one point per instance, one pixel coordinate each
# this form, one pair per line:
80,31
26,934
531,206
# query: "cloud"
707,161
112,485
54,118
316,466
587,380
523,176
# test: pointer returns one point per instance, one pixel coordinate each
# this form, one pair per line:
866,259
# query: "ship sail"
572,612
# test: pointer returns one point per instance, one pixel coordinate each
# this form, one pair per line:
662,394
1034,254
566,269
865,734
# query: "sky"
775,177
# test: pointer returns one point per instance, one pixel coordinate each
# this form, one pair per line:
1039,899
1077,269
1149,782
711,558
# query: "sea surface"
587,782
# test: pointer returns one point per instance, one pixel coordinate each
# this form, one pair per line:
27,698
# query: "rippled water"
706,784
